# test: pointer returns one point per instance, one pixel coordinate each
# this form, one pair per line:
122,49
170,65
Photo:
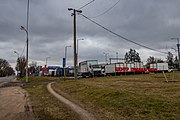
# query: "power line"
123,36
86,4
106,10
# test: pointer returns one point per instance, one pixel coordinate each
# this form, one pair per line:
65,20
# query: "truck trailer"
124,68
158,67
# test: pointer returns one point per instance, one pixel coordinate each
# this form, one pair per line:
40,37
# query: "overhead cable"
23,50
124,38
86,4
106,10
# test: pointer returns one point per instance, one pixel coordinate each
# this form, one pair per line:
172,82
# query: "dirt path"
14,104
85,115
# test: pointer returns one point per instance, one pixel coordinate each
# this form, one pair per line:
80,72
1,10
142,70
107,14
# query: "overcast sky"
148,22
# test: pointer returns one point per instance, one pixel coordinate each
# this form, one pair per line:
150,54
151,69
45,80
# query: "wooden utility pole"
178,50
75,49
75,53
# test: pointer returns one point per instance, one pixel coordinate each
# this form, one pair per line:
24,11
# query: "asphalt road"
6,80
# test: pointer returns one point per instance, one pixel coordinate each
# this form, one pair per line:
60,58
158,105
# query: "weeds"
133,97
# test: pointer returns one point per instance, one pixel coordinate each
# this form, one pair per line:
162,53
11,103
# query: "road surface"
6,80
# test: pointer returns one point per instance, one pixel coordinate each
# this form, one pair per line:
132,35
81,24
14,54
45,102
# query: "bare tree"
176,63
5,69
9,71
21,65
170,59
151,59
159,60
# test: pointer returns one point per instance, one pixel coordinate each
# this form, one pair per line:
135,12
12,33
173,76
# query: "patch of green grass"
133,97
46,106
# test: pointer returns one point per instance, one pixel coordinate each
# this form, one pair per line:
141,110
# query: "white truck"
90,68
159,67
98,70
85,68
110,69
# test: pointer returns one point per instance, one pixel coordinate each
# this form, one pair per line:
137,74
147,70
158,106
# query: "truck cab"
90,68
98,70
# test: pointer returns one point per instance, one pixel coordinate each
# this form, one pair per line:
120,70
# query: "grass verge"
133,97
44,105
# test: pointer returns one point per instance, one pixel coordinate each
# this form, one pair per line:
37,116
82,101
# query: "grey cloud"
151,23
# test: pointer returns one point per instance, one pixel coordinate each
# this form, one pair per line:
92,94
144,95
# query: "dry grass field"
44,105
132,97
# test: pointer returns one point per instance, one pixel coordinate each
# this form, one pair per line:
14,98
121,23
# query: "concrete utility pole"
27,29
75,52
178,49
27,39
22,28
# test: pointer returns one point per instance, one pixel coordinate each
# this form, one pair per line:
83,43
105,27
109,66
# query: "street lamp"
65,56
77,48
17,62
24,29
105,56
46,60
75,54
117,56
16,53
